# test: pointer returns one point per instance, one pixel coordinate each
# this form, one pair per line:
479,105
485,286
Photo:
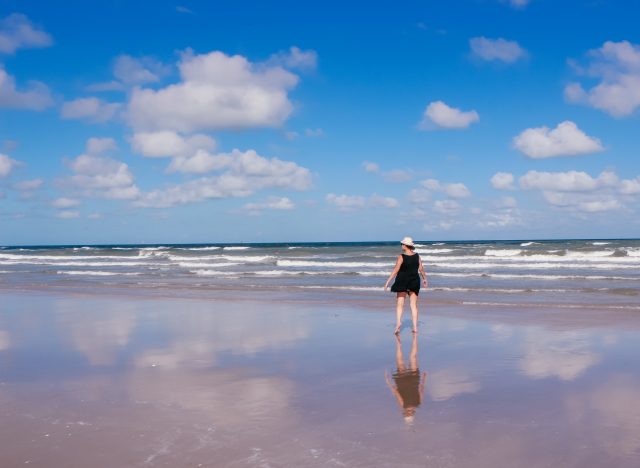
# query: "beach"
103,373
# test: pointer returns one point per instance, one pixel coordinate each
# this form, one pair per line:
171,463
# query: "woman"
407,272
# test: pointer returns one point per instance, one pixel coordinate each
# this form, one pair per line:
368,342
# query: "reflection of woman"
409,383
407,272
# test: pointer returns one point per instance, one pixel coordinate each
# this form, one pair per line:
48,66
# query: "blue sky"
152,122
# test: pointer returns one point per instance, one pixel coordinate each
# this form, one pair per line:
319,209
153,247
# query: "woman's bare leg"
413,302
399,309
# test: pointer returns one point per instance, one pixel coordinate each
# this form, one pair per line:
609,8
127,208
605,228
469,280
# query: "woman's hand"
424,282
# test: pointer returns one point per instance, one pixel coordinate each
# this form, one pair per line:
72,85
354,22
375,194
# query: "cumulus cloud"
272,203
455,190
28,185
65,203
18,32
216,91
7,165
102,177
295,58
564,140
502,181
100,145
371,167
245,173
68,214
136,71
35,96
571,181
352,202
92,109
499,49
579,191
166,143
446,206
440,115
616,66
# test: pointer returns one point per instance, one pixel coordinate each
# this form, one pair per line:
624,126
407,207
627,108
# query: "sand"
118,380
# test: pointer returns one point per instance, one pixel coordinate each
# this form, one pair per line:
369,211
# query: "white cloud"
419,196
507,203
579,191
617,67
216,91
440,115
272,203
564,140
28,185
183,9
100,145
455,190
18,32
295,58
370,167
92,109
630,186
7,165
314,132
571,181
68,214
246,173
496,49
163,144
346,202
199,163
446,206
102,177
35,96
502,181
397,176
384,202
136,71
352,202
65,202
519,3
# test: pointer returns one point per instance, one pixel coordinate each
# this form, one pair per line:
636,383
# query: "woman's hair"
410,247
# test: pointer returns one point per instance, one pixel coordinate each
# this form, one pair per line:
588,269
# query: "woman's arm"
395,271
422,273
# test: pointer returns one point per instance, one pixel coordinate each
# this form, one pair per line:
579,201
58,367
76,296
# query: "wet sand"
89,380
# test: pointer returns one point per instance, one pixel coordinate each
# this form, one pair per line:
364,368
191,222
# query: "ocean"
558,273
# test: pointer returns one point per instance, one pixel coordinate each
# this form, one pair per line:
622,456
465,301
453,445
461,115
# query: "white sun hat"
407,241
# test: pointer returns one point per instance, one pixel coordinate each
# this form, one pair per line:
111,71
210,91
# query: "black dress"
408,278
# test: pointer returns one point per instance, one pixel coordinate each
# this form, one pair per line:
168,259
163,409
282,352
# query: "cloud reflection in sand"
562,354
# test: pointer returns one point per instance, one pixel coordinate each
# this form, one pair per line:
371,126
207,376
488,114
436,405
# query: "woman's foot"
415,330
397,330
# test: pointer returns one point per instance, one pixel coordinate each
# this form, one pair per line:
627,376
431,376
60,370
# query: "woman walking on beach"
407,273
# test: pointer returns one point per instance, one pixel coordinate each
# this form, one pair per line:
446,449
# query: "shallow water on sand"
122,381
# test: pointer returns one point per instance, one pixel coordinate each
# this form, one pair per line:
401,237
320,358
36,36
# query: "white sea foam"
214,273
632,252
533,276
197,249
95,273
207,265
503,253
311,263
236,248
556,306
600,243
73,263
345,288
434,251
527,244
593,254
